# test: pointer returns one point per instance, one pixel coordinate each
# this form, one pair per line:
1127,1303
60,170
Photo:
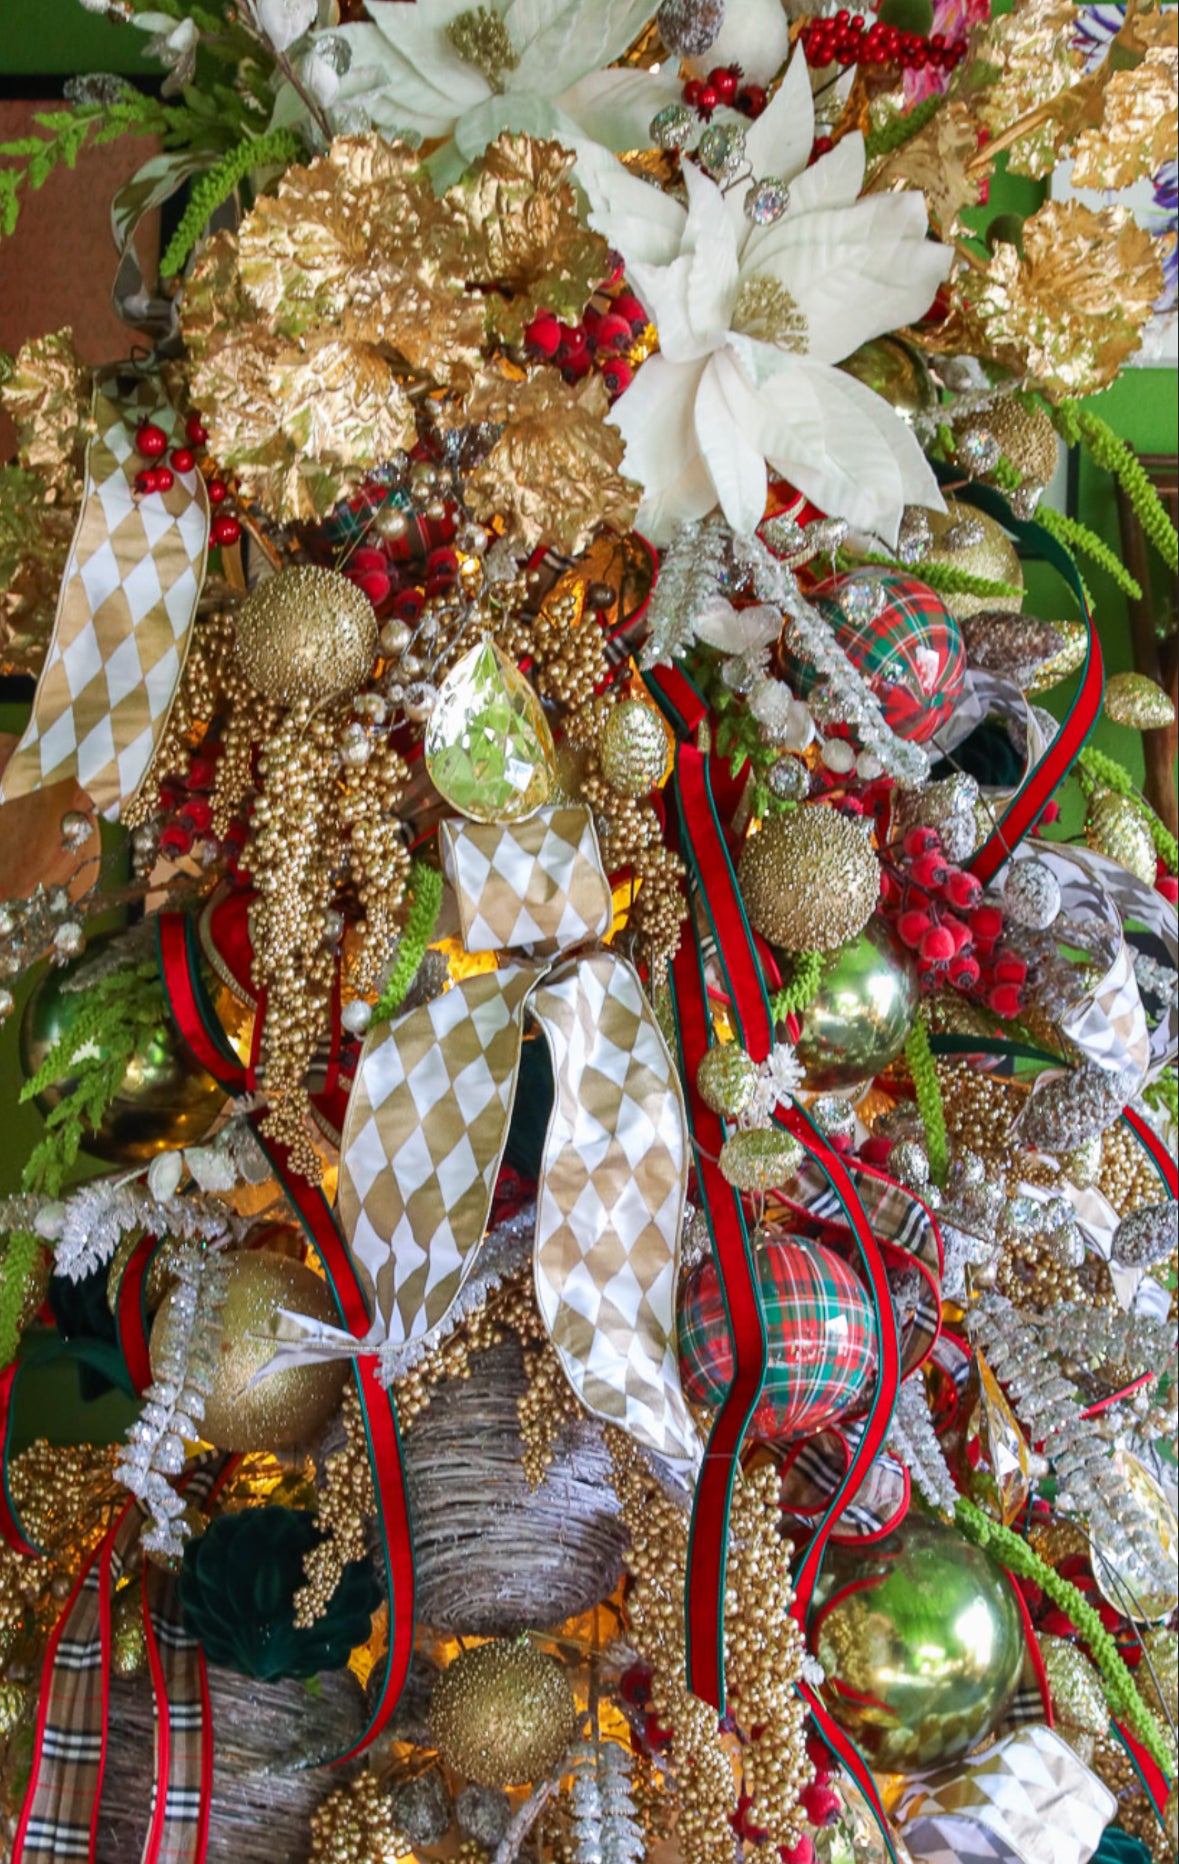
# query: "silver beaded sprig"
184,1357
87,1226
914,1442
605,1827
692,571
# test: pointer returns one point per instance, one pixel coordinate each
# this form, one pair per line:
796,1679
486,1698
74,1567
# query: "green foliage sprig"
68,133
118,1014
1077,536
278,147
923,1069
1078,426
1164,1094
899,128
948,578
18,1267
1097,769
425,883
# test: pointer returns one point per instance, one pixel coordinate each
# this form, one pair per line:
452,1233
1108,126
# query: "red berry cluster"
939,913
185,801
844,38
392,587
151,443
600,341
723,86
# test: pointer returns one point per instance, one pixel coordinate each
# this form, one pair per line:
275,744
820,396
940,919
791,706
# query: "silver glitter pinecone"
689,27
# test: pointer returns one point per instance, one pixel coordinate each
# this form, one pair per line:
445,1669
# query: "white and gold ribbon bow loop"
428,1122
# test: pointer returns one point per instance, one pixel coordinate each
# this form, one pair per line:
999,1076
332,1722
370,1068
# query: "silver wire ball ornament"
689,27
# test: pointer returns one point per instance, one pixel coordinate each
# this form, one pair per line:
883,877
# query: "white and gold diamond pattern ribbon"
125,613
1028,1799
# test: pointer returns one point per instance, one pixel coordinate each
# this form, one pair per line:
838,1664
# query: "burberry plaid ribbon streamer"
124,615
428,1122
1027,1800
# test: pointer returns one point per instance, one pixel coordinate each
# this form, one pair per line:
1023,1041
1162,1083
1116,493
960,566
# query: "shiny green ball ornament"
860,1018
898,374
164,1099
922,1643
726,1079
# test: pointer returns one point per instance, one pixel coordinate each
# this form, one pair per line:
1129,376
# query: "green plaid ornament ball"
819,1321
903,639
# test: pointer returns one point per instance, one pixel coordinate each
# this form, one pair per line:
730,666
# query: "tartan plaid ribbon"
428,1118
124,616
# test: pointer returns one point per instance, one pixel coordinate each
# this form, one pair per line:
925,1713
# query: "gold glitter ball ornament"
1134,699
1116,827
1074,1686
1158,1678
128,1632
809,880
726,1079
305,633
966,539
12,1707
760,1159
633,750
1066,661
289,1406
503,1713
1026,437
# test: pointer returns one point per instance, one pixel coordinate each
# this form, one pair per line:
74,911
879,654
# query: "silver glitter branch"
87,1227
914,1442
692,571
605,1827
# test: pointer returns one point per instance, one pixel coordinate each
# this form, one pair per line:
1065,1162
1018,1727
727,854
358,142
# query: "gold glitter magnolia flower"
1139,130
42,394
1036,62
1069,310
936,160
553,473
34,544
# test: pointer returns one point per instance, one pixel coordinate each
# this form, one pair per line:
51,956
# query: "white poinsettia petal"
427,86
840,444
521,112
755,35
559,41
665,293
615,108
735,462
854,271
781,139
284,21
640,221
736,631
710,240
834,180
655,418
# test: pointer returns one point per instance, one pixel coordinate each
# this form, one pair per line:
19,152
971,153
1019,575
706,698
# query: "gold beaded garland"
810,881
306,633
503,1713
634,748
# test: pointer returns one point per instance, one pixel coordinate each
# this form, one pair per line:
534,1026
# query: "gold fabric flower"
1139,130
43,396
1036,62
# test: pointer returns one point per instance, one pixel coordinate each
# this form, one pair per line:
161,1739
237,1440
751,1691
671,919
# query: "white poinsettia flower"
284,21
460,74
752,321
755,35
744,631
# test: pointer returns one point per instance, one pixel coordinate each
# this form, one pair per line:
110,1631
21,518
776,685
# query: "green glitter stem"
425,883
1079,426
277,148
803,988
949,579
923,1069
899,128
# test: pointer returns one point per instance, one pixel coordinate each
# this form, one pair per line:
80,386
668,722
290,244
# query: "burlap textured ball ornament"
293,1404
966,539
305,633
810,881
759,1159
726,1079
1116,826
900,634
503,1714
1135,700
633,750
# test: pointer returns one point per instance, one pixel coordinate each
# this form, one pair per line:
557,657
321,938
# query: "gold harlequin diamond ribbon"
125,613
1027,1800
428,1122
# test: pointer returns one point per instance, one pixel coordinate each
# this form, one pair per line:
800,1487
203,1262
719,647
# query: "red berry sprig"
939,912
599,342
723,86
845,38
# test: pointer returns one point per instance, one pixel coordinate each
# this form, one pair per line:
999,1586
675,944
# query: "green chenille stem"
803,988
118,1013
1122,1698
1077,536
899,129
1079,426
1101,769
278,147
425,885
948,579
923,1069
17,1264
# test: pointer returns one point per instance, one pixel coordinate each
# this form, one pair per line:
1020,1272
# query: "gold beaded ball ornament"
503,1713
289,1406
810,880
633,750
305,633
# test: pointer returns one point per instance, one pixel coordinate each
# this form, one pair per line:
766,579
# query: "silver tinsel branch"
692,571
913,1441
184,1356
605,1827
87,1227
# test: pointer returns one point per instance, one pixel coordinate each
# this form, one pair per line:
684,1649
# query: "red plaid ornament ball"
822,1351
903,639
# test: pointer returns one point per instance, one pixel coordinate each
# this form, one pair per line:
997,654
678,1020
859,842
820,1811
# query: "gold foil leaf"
1139,130
1070,309
43,396
339,402
935,160
1033,48
214,303
553,473
526,233
34,544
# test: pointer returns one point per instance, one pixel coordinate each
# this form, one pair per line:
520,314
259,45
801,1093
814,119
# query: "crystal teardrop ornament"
488,747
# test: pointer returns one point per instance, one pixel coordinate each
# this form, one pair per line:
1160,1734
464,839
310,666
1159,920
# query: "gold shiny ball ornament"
760,1159
305,633
859,1019
503,1713
898,374
966,539
1115,826
634,748
290,1406
810,880
726,1079
1135,700
1025,436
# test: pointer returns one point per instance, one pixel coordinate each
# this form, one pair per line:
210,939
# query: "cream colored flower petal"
656,419
755,35
521,112
736,463
429,86
560,41
853,271
665,292
781,139
615,108
710,239
640,221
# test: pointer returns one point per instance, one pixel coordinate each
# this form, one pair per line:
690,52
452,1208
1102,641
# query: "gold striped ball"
305,633
503,1714
810,880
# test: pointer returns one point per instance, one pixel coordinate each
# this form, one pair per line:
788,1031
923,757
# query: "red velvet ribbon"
194,1019
131,1313
1162,1160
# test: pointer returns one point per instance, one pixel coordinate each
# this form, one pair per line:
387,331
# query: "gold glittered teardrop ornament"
966,539
1074,1686
305,633
489,751
1065,661
1115,826
503,1713
810,880
634,748
760,1159
1134,699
